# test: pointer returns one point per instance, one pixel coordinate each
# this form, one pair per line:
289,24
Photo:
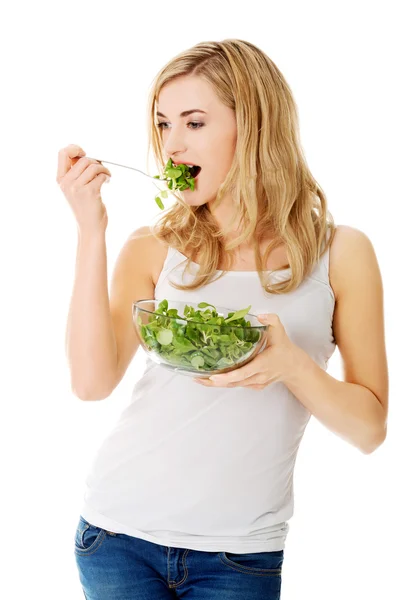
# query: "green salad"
203,340
180,178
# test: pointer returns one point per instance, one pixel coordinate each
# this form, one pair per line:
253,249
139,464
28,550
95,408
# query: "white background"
79,72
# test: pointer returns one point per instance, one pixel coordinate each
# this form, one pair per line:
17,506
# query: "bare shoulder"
351,249
154,250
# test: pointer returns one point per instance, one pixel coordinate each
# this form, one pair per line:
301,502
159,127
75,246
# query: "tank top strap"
321,269
172,259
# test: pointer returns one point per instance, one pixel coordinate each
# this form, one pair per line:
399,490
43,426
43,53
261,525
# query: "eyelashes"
200,125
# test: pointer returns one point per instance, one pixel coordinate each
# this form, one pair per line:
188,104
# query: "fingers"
65,157
72,163
85,169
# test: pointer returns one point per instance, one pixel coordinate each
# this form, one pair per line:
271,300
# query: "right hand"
80,180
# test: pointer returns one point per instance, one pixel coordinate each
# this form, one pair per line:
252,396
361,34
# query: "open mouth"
194,171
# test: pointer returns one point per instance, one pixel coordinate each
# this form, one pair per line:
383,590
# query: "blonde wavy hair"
272,187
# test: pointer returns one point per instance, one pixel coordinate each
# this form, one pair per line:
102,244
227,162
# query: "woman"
191,492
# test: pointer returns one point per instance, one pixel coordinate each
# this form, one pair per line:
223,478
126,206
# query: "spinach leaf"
178,178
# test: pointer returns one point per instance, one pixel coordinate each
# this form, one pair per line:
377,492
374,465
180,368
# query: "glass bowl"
182,337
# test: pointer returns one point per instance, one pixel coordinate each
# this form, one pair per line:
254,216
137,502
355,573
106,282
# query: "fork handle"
126,167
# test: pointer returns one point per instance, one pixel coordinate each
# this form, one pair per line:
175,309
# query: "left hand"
276,363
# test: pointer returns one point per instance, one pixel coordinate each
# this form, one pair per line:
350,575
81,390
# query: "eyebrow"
185,113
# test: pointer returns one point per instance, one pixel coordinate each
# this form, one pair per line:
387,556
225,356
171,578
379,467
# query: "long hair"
271,185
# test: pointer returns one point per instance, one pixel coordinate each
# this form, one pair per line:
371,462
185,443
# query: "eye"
196,123
160,125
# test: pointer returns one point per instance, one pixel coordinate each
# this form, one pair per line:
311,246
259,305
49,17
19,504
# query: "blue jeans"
116,566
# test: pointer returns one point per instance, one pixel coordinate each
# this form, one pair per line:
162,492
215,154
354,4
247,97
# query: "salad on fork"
178,177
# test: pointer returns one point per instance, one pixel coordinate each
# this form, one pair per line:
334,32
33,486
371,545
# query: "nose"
174,143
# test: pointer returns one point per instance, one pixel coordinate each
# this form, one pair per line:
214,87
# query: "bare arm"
90,339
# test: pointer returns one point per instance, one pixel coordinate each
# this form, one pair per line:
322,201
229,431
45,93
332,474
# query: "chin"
190,198
193,199
194,202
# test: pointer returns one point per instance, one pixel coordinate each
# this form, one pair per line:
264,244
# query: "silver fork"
139,171
126,167
133,169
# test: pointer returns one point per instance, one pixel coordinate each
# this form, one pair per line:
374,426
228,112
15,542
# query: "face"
206,139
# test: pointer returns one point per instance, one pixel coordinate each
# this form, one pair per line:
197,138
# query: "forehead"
185,93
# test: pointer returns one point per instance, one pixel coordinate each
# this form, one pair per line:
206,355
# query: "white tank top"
211,469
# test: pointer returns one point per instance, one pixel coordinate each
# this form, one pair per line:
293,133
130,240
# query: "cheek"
226,158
